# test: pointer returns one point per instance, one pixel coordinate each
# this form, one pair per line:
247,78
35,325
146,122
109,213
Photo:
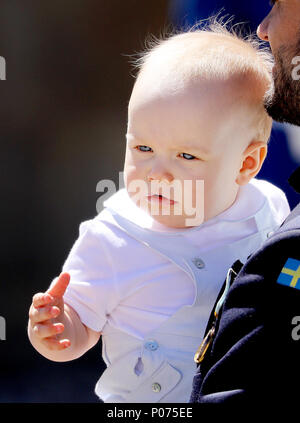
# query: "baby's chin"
168,213
176,222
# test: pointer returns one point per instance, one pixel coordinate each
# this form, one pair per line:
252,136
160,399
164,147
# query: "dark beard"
283,102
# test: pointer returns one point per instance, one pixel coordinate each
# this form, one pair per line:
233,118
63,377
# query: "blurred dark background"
63,111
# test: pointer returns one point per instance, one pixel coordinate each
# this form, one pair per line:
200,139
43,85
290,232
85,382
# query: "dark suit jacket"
255,354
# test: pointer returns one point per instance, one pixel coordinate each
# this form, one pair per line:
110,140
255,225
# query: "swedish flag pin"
290,274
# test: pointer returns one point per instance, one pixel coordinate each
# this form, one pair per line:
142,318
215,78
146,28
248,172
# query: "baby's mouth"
160,199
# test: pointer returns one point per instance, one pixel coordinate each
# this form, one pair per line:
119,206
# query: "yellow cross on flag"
290,274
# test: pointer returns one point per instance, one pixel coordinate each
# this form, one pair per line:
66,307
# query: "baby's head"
197,127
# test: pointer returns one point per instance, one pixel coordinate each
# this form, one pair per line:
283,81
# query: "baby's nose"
160,174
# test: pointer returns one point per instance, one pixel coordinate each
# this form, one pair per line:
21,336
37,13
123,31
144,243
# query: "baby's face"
178,140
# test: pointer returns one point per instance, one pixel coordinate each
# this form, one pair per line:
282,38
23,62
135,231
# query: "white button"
156,387
151,345
198,263
269,234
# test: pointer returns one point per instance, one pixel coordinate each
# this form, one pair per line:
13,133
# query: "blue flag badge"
290,274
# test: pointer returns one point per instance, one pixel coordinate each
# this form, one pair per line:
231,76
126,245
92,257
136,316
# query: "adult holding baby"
142,274
253,347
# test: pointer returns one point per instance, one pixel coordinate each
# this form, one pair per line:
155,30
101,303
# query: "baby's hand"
46,314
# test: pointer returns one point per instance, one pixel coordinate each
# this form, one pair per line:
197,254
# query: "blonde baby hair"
214,49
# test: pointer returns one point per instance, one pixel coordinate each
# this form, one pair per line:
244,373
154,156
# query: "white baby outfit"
150,289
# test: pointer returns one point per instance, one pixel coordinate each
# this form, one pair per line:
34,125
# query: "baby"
146,271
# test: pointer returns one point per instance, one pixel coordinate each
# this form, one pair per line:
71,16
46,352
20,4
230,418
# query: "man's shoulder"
292,221
271,275
281,247
257,318
289,230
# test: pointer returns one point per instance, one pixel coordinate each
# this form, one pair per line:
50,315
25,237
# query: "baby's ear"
252,161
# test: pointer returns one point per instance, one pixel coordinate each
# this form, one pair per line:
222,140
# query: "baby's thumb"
59,287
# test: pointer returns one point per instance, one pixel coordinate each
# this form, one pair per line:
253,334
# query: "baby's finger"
59,287
55,344
41,299
45,330
41,314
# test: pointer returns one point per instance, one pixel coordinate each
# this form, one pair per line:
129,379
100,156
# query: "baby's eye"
187,156
143,148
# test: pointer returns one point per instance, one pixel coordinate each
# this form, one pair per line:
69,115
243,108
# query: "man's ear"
252,161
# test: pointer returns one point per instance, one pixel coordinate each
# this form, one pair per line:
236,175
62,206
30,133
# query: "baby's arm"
55,329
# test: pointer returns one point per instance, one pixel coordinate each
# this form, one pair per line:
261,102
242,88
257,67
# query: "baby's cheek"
133,172
129,175
193,192
137,189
